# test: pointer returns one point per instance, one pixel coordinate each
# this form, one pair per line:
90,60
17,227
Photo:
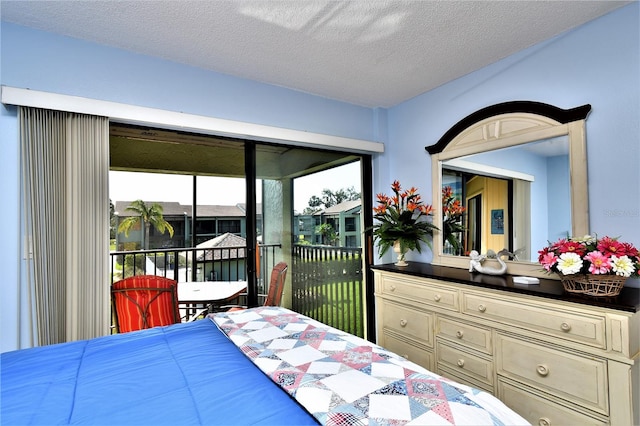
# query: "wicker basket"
593,285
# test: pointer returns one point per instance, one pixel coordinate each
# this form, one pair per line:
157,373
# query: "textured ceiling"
373,53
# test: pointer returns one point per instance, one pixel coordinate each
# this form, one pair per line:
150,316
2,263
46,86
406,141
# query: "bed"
262,366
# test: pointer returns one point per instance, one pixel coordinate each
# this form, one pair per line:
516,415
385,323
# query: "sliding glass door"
265,200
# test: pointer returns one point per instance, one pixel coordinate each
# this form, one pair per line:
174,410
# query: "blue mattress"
178,375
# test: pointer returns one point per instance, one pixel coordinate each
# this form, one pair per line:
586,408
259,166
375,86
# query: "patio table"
208,293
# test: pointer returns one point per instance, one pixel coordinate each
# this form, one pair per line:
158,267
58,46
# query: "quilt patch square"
332,345
351,385
266,334
387,369
389,407
282,344
301,355
254,325
314,399
243,317
267,364
323,368
296,326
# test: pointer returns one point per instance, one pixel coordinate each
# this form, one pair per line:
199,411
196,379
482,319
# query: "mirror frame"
505,125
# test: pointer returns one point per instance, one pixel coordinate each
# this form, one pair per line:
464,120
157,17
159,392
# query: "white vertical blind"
87,206
66,218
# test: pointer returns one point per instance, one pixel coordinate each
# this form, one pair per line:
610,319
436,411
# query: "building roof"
225,246
170,208
345,206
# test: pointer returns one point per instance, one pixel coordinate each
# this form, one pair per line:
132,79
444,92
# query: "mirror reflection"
516,198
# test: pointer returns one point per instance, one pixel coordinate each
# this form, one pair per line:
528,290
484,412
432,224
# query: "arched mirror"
510,176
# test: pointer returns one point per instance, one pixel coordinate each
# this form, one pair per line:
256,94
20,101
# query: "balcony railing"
190,264
326,282
328,286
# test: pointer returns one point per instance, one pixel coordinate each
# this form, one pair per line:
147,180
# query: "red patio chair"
144,301
276,287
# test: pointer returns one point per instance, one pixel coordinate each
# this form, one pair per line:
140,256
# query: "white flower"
569,263
622,265
587,239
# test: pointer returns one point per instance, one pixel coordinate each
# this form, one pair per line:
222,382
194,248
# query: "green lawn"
340,306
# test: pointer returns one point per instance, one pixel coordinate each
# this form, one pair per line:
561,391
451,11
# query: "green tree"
149,216
112,220
328,233
330,198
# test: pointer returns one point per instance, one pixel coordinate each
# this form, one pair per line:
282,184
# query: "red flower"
609,246
542,253
426,209
402,217
573,247
605,256
447,192
631,251
383,199
380,209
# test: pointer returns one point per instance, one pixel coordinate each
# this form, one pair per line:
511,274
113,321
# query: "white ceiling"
374,53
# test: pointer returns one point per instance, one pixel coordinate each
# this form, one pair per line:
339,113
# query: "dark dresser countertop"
628,300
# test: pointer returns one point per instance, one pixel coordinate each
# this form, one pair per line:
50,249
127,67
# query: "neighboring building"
344,218
304,228
222,260
212,221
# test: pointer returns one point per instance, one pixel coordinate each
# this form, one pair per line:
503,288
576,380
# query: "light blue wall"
595,64
47,62
51,63
9,214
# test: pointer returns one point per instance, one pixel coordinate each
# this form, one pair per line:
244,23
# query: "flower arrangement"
452,211
403,218
590,255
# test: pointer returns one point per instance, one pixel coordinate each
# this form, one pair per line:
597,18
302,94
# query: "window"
232,226
349,224
206,226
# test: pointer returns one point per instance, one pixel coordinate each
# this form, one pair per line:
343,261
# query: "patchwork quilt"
342,379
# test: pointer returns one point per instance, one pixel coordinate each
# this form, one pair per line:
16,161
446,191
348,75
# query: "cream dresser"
554,358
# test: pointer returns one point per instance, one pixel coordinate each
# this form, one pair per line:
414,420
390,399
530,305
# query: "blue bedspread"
178,375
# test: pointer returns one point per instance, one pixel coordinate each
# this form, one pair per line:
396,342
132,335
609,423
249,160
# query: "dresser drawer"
578,327
540,411
418,291
579,379
408,322
463,379
475,337
413,353
464,363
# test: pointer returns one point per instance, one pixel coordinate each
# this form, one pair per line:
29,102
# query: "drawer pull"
405,356
392,287
542,370
543,421
565,327
437,297
403,323
482,308
459,334
461,362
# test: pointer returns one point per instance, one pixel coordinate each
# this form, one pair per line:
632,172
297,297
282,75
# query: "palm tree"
149,216
328,233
